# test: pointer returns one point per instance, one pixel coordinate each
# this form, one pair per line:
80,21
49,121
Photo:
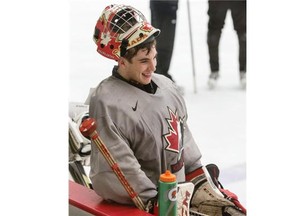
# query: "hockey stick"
88,128
191,46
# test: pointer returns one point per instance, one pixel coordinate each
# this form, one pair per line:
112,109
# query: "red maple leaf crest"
172,137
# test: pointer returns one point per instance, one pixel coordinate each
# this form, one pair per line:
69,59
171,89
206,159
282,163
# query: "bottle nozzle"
167,177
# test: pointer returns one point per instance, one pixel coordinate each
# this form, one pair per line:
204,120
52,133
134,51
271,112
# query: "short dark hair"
134,50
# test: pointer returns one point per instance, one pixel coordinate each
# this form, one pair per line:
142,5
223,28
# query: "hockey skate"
212,81
207,199
243,79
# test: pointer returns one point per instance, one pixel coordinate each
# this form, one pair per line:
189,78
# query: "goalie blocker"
208,199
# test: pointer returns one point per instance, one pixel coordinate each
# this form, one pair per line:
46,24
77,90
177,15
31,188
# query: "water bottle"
167,196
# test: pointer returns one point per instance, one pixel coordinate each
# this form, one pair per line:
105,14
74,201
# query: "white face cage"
125,17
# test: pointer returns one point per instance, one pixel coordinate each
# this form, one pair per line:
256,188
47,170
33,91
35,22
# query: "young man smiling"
142,119
140,67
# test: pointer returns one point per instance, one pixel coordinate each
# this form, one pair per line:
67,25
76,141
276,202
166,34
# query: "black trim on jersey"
149,88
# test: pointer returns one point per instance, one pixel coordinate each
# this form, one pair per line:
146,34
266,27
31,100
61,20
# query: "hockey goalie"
142,124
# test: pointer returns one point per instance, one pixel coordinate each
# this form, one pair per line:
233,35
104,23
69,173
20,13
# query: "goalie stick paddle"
88,128
78,174
76,169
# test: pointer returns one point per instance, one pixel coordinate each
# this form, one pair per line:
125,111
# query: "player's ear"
122,62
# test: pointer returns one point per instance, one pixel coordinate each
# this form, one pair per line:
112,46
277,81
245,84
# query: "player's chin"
146,78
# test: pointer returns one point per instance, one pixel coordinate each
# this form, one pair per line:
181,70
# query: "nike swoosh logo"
135,108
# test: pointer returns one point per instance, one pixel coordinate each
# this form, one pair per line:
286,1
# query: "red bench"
87,200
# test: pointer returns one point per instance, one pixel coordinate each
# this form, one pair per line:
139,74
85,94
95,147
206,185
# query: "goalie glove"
207,198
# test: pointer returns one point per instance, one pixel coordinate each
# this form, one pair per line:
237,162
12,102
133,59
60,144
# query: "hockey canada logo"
174,137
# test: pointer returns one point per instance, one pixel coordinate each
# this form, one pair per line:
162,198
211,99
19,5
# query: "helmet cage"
120,28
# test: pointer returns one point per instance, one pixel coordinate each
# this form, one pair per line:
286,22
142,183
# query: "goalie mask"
120,28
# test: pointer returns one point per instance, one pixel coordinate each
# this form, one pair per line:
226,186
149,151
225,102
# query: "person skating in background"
164,17
142,119
217,11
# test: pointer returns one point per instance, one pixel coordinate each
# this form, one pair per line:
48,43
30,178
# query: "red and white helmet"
119,28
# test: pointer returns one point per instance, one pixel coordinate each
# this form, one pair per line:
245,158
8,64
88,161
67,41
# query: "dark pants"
217,14
163,16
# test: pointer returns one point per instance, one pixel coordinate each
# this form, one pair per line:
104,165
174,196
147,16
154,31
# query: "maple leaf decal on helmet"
174,136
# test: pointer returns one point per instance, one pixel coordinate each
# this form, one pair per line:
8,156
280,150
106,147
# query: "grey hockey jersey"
146,134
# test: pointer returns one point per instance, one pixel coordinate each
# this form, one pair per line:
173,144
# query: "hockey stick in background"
88,128
191,46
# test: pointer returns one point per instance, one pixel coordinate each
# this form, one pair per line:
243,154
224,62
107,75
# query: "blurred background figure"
164,17
217,11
